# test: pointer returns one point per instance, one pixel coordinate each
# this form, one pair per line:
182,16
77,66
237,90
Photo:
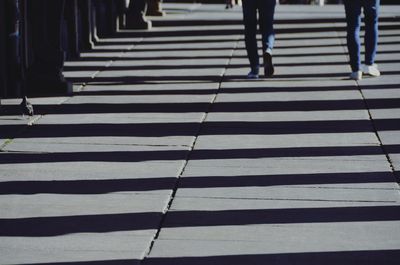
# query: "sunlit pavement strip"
168,155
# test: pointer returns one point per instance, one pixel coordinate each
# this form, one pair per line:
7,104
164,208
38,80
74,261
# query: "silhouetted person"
135,16
232,3
15,59
265,10
353,16
46,18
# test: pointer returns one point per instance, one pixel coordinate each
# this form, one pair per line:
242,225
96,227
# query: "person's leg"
266,20
250,33
353,18
371,9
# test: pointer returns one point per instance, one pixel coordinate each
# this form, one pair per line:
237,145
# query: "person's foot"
357,75
371,70
268,66
253,75
229,4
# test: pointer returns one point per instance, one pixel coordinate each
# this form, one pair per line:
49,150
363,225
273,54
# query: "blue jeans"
266,10
353,17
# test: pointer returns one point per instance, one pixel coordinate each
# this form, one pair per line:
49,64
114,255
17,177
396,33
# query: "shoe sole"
268,66
371,75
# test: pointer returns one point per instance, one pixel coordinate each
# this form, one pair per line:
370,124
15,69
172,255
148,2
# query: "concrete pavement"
166,154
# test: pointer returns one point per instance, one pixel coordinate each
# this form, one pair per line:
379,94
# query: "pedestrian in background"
353,16
232,3
265,10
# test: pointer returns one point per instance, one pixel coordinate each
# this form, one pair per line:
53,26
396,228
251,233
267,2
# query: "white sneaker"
356,75
371,70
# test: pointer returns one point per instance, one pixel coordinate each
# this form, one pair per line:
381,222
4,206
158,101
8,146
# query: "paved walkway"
166,155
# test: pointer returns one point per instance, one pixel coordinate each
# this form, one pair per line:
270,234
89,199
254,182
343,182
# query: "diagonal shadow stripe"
282,216
311,105
192,129
360,257
298,127
61,225
289,152
363,257
285,180
103,186
98,186
261,106
206,154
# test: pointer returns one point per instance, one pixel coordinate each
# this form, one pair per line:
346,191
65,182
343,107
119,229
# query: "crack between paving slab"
368,109
385,152
31,122
108,65
175,189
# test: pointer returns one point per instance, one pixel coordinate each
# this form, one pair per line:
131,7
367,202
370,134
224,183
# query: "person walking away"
353,17
232,3
265,10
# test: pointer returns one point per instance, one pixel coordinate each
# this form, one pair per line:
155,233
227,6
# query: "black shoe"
268,66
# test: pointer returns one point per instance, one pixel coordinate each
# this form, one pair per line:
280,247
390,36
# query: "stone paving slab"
75,248
186,201
276,116
283,196
283,239
289,165
92,171
42,205
285,141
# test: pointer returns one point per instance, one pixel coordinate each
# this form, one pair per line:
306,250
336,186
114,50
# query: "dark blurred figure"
264,10
135,16
46,25
16,82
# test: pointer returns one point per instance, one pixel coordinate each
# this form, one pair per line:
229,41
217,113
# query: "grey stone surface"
285,141
44,205
287,165
98,247
188,202
89,170
37,146
166,142
286,196
269,239
124,99
289,116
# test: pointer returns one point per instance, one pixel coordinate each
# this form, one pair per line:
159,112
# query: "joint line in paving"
367,108
175,189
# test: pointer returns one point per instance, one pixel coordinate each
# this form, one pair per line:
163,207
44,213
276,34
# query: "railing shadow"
105,186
